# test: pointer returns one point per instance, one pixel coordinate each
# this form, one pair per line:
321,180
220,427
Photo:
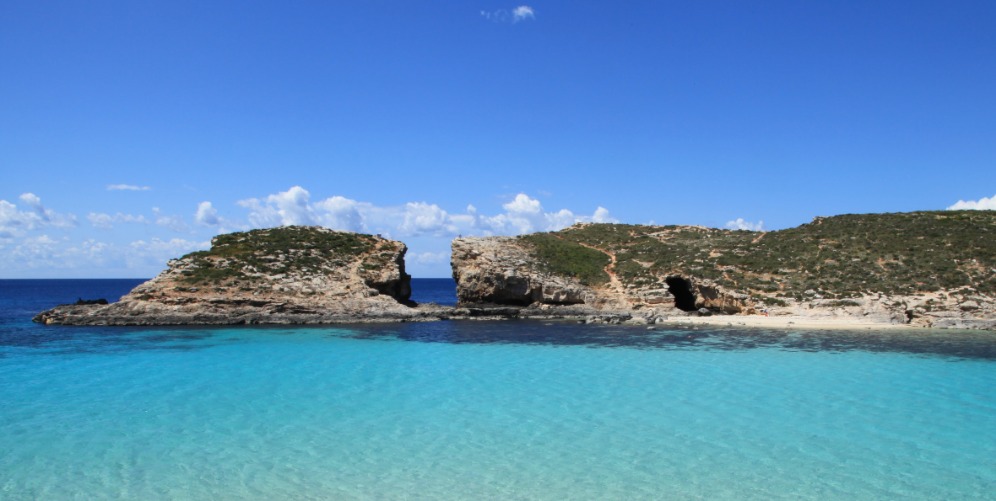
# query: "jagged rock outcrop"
929,269
281,275
506,271
498,270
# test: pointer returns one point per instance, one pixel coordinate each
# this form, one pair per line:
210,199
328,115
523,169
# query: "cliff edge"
929,269
291,274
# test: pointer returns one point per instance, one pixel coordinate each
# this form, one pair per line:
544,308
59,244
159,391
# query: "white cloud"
35,252
24,251
422,218
742,224
106,221
47,217
289,207
341,213
93,248
206,214
127,187
100,220
38,245
156,252
293,207
15,222
522,12
89,253
44,256
562,219
522,204
522,214
173,247
427,258
601,215
525,215
493,15
172,222
980,204
33,201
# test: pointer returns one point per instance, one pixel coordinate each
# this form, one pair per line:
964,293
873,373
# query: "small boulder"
969,306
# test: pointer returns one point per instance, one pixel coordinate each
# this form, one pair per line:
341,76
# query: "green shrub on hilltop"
287,249
568,258
836,257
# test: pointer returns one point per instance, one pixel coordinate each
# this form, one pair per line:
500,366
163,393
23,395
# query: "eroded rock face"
694,294
279,275
506,271
497,270
502,271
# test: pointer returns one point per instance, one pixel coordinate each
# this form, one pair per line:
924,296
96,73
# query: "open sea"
486,410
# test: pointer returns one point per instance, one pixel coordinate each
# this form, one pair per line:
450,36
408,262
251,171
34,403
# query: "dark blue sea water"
486,410
434,290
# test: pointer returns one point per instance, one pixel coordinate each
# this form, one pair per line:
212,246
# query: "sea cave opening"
681,289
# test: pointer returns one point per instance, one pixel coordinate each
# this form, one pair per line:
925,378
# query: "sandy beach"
785,321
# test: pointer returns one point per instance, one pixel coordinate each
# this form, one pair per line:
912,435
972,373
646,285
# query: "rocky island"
927,269
292,274
922,269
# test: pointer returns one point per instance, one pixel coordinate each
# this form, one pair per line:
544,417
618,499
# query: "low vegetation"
275,251
834,257
569,258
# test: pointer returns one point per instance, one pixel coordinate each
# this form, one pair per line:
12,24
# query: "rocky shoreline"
280,275
311,275
505,270
94,315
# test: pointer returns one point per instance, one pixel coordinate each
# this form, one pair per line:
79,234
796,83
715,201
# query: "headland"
920,269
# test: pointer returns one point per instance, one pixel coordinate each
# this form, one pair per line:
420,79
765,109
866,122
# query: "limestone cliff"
500,271
281,275
935,269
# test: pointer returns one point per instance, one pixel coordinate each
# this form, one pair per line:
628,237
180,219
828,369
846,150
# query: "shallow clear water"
494,410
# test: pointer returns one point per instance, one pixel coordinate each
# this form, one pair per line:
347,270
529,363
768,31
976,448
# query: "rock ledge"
287,275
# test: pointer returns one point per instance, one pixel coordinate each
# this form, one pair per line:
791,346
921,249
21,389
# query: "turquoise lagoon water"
492,410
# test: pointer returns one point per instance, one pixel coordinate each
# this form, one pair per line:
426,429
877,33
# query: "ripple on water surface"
510,410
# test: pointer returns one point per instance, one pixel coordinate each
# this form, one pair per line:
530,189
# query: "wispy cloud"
107,221
742,224
155,251
171,221
980,204
127,187
14,221
428,257
43,256
47,256
520,13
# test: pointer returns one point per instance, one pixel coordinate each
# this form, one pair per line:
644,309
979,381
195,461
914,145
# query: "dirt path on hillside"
615,286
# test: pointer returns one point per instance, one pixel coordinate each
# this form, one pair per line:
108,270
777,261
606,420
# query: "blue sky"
133,132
